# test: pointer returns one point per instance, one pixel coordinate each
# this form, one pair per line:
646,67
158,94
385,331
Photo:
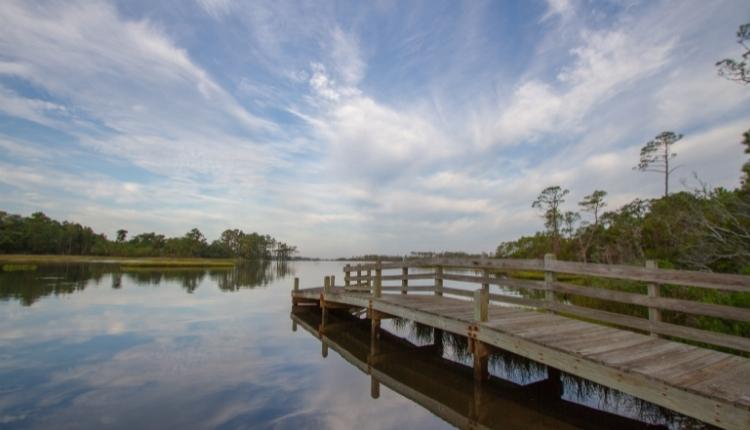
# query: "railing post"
549,280
404,280
347,275
327,284
486,282
439,280
377,290
333,282
654,314
359,277
296,284
481,304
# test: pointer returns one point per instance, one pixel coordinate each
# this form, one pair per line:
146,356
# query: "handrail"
552,287
691,278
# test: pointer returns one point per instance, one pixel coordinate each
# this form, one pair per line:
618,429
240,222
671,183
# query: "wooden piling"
374,387
404,279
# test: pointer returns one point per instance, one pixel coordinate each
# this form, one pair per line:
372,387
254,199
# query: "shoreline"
122,261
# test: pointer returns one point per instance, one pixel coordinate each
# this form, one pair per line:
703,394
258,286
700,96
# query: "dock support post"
437,340
481,354
369,278
323,348
549,280
554,386
294,291
654,314
374,387
404,280
347,276
333,282
359,277
327,284
439,280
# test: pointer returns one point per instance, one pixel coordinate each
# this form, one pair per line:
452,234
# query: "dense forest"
39,234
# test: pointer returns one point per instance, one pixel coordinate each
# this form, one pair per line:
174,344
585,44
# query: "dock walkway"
704,383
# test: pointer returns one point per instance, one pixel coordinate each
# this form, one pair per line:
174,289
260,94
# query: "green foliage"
39,234
737,69
656,155
549,202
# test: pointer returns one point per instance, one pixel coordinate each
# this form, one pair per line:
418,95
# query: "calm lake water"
90,346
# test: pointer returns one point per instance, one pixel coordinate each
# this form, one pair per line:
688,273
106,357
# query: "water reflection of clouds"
145,355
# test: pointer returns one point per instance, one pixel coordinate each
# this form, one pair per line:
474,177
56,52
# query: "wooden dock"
445,388
643,357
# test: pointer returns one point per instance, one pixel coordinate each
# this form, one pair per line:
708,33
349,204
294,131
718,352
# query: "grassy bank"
121,261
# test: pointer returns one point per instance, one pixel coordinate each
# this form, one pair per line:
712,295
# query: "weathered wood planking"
652,369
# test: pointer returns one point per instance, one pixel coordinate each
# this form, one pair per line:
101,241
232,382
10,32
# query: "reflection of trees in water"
188,278
28,286
250,274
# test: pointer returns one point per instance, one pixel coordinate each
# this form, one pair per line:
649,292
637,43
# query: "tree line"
703,229
40,234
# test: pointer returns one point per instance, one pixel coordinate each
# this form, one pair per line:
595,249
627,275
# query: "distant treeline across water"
40,234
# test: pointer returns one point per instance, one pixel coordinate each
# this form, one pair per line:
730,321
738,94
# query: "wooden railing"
369,278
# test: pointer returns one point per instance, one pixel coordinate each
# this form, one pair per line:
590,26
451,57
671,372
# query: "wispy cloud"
349,129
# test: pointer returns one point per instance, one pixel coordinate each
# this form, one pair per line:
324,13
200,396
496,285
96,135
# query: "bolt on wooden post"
654,314
549,280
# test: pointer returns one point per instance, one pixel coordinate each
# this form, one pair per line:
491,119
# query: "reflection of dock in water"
446,388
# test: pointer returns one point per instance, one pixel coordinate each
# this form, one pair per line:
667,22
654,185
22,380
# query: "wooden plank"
517,300
502,282
411,276
713,410
458,292
716,281
708,309
730,384
623,340
689,333
478,263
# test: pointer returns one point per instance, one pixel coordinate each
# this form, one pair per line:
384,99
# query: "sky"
357,127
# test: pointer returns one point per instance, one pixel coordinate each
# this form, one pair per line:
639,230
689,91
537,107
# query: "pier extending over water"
643,357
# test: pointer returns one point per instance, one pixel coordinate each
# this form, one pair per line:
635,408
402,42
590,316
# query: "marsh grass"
19,267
